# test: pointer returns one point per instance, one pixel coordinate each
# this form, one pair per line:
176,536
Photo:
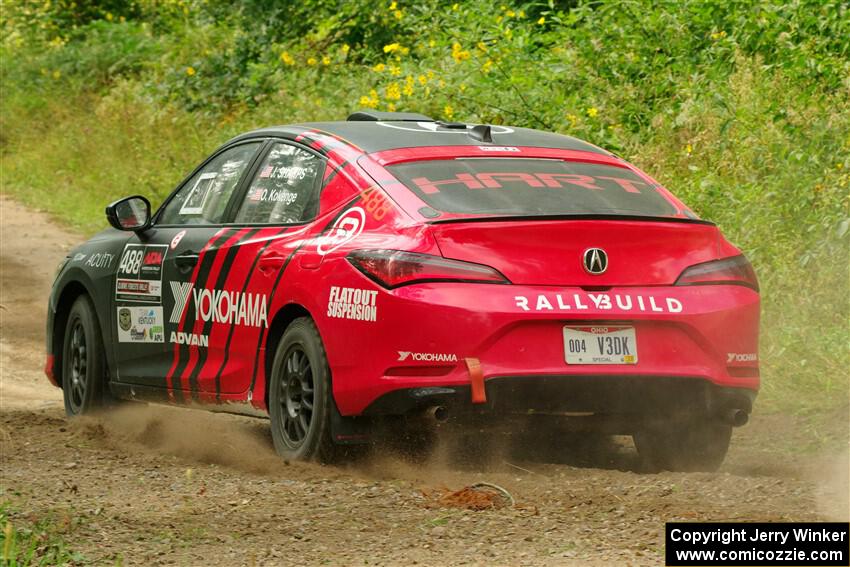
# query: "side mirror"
130,213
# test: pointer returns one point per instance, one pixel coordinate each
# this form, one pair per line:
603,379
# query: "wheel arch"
281,321
65,299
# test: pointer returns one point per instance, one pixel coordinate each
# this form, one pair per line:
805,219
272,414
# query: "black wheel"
698,445
83,363
300,395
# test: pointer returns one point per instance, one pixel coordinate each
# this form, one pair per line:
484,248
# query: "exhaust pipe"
735,417
437,413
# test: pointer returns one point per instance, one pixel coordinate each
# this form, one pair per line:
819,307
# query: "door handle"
187,259
271,263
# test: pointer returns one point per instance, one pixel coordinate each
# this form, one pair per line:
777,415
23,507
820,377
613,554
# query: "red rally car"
332,275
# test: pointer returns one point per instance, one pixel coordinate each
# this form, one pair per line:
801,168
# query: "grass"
41,542
741,109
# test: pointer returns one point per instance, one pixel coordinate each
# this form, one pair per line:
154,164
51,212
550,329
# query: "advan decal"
597,301
139,276
353,303
347,227
219,306
140,325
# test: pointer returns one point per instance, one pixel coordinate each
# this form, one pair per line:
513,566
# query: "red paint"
49,370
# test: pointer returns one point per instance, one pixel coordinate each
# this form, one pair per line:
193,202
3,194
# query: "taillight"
394,268
735,270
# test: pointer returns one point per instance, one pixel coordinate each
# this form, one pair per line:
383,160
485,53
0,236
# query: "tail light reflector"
395,268
735,270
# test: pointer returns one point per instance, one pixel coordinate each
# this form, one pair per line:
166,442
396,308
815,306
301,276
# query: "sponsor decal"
404,355
347,227
192,339
177,238
219,306
100,260
741,357
538,180
140,325
498,149
139,276
78,257
352,303
598,301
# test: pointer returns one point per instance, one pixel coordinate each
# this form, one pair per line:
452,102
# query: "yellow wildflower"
395,70
592,111
448,111
109,16
326,60
487,66
481,46
521,14
430,75
431,43
397,14
379,67
541,21
689,149
573,120
510,13
393,91
409,81
57,73
455,6
311,61
393,5
189,71
392,47
391,107
345,48
287,58
459,53
423,80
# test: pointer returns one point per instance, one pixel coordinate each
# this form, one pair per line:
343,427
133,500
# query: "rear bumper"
644,397
423,334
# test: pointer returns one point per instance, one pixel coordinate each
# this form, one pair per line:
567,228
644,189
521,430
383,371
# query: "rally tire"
300,395
693,446
83,361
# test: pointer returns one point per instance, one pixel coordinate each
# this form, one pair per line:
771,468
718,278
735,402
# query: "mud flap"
349,430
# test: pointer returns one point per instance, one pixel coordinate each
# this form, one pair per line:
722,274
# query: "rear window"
508,186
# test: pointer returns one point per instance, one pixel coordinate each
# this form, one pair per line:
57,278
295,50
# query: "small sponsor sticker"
353,303
177,238
140,325
498,149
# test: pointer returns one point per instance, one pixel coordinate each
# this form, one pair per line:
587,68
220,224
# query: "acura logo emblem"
595,261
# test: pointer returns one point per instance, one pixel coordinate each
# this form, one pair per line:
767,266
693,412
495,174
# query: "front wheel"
83,363
698,445
300,395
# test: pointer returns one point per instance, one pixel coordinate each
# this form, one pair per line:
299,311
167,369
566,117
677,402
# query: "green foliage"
41,543
741,108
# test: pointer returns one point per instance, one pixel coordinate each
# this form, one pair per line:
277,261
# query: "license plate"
600,344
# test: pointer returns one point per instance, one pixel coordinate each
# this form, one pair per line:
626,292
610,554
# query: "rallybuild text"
757,544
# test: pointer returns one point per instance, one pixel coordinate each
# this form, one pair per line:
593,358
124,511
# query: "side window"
286,187
203,199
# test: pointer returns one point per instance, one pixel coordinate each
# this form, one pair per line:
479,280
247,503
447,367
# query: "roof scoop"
378,116
482,133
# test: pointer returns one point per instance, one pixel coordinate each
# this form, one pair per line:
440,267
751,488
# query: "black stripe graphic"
233,327
189,320
333,173
336,217
232,252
